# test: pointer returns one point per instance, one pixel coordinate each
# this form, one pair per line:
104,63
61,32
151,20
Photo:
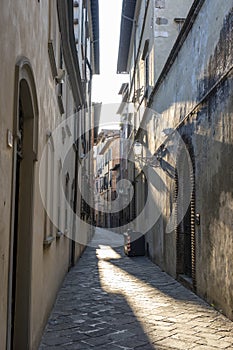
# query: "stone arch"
24,76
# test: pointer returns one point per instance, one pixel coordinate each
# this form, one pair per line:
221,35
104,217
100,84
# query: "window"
145,58
67,196
146,74
53,26
50,193
106,182
179,22
160,4
110,179
58,199
101,184
52,39
110,154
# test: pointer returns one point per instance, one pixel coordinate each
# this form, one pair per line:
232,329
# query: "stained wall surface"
200,81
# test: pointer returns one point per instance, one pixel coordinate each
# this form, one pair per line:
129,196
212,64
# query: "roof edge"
127,21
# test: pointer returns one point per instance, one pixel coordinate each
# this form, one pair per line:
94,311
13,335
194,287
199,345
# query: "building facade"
107,174
184,120
47,67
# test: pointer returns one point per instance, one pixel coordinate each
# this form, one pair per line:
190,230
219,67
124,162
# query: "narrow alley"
110,301
116,175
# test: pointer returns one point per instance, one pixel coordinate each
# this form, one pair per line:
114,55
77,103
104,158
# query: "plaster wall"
157,25
25,28
204,59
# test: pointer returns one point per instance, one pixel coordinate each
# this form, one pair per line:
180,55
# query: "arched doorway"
25,155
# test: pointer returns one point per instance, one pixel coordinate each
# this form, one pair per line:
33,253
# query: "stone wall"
195,97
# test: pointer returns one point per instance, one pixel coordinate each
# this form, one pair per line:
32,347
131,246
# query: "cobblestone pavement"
109,301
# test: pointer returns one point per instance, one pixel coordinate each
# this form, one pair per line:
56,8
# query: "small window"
146,73
145,58
160,4
179,22
110,154
145,49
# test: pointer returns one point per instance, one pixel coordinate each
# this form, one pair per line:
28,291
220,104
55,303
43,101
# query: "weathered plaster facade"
205,97
191,101
35,255
154,32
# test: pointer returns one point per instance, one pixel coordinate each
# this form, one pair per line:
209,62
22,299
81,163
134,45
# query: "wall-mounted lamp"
153,160
137,148
60,76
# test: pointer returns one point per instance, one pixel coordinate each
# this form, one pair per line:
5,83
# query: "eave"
65,14
127,20
95,28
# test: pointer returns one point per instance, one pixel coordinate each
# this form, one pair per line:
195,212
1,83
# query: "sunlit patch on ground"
109,301
107,253
168,322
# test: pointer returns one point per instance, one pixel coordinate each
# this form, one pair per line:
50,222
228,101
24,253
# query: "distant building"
126,214
107,174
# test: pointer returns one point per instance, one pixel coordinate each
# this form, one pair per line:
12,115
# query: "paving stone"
55,341
76,346
129,303
174,343
204,347
146,347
